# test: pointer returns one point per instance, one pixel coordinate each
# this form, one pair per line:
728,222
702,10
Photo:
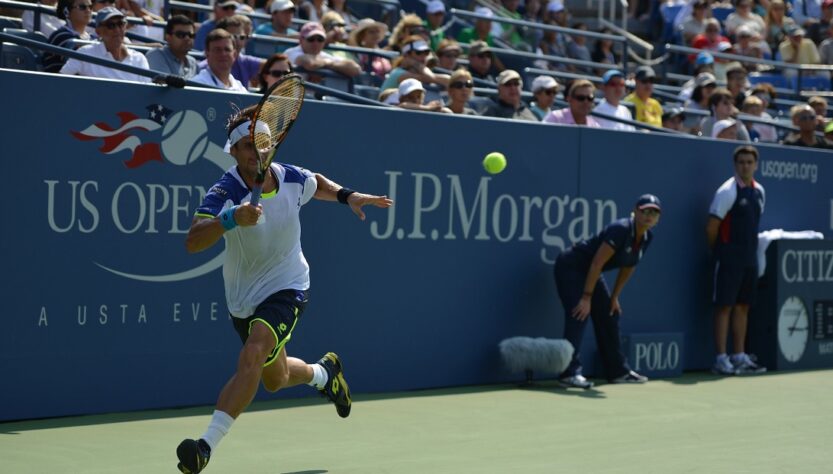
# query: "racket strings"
278,111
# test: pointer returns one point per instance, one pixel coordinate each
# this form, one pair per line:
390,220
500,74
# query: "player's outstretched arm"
206,231
328,190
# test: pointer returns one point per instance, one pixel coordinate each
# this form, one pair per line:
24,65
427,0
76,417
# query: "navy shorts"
734,283
280,311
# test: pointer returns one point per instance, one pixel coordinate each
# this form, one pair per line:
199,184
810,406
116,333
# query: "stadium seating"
14,56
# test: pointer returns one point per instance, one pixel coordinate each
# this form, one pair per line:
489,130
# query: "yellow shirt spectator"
648,111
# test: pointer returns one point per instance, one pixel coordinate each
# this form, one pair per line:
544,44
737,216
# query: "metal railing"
543,27
159,77
799,68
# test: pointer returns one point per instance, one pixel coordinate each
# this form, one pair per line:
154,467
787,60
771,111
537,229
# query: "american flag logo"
124,136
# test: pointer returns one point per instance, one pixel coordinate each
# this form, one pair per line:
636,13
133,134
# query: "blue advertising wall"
105,311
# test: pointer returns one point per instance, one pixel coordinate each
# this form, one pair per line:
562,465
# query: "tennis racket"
277,111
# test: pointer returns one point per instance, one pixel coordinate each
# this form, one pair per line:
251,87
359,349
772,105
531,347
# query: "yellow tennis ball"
494,162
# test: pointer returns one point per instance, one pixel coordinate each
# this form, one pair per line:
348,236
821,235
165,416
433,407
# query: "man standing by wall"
732,233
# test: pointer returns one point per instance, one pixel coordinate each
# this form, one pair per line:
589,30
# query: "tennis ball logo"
184,138
494,162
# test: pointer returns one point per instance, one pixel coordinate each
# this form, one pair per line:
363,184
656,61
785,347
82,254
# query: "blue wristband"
227,218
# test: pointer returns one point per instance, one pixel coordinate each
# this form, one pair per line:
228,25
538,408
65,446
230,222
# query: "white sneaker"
744,365
577,381
631,377
722,366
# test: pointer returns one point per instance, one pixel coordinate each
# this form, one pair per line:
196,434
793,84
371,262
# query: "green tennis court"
697,423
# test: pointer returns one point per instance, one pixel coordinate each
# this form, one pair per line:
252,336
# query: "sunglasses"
241,37
335,25
278,74
109,2
315,39
549,91
450,55
183,34
421,53
484,55
806,117
583,98
229,8
113,25
461,84
83,6
512,83
649,211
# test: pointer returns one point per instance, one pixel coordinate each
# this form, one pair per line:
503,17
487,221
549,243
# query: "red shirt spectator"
709,39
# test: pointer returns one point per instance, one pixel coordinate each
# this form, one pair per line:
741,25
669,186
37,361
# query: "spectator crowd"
434,62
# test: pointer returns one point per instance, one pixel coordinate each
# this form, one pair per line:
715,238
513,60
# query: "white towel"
767,236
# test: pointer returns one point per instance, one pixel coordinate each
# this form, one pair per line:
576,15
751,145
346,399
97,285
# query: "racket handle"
256,194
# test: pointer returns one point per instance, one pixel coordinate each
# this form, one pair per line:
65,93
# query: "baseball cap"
704,58
724,46
672,112
508,75
735,66
610,74
416,46
409,85
644,73
435,6
648,201
477,47
555,6
484,11
722,125
312,28
795,30
544,83
704,79
225,3
281,5
106,13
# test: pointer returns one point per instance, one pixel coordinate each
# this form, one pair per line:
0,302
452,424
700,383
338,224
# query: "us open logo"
163,138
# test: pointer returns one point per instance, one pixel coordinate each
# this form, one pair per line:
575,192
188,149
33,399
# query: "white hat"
409,85
544,83
555,6
281,5
722,125
484,11
435,6
724,46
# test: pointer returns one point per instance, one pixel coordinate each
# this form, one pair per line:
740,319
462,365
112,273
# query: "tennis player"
583,290
266,280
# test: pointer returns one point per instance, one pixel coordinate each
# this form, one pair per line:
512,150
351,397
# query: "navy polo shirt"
619,234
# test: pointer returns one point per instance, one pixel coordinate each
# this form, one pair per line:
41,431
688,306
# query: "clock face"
793,329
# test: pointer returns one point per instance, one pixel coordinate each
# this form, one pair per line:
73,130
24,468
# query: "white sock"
722,356
219,427
319,376
737,357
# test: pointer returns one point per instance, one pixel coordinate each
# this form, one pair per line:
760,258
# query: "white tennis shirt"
265,258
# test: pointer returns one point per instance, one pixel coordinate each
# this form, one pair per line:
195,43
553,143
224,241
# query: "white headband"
242,130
